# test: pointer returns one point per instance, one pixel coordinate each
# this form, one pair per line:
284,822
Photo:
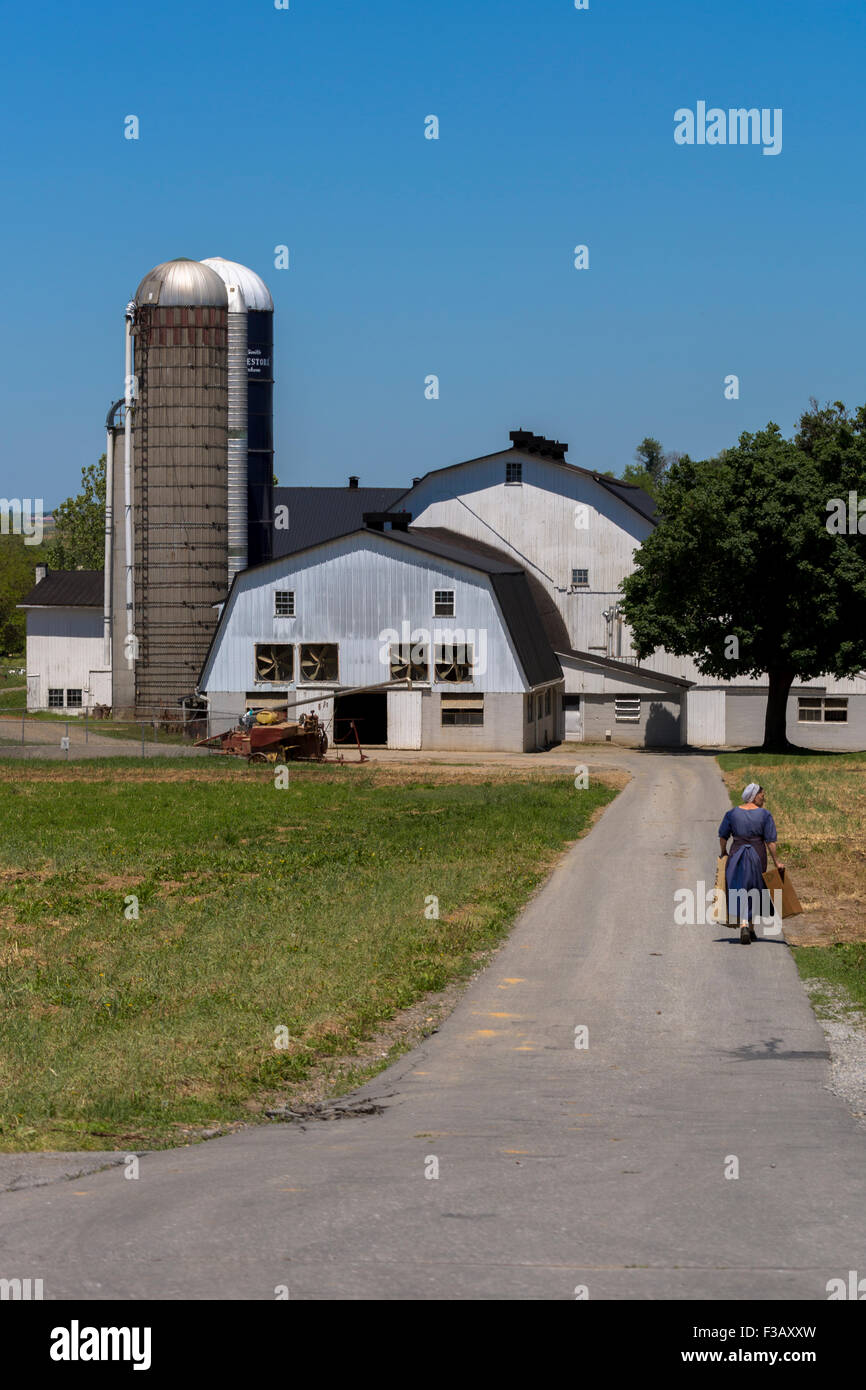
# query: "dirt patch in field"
826,919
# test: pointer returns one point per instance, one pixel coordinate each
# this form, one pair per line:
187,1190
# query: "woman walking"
754,832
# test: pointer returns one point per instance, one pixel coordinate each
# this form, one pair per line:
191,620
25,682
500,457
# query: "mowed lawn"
276,928
819,805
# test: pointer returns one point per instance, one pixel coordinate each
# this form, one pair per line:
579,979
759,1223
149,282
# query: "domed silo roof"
182,282
236,278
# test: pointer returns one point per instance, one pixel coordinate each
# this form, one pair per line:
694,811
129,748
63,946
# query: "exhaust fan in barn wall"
319,662
274,662
454,664
409,663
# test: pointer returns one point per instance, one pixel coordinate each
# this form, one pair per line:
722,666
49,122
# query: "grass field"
307,910
13,688
819,805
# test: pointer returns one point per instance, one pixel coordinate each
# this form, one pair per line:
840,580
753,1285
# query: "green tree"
742,572
650,458
79,537
650,466
17,576
633,473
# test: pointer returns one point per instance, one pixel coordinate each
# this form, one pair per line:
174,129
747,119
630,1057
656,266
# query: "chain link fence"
31,734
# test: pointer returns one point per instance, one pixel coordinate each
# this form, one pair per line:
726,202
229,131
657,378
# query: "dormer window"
513,472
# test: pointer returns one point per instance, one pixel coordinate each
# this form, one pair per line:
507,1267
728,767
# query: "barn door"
404,718
706,718
573,715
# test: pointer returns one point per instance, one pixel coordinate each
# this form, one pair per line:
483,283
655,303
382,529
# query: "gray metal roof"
182,282
322,513
239,278
630,493
67,589
627,668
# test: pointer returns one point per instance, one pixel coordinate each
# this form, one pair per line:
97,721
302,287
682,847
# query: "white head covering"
750,791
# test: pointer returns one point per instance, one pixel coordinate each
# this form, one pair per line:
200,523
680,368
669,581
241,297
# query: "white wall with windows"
65,671
358,597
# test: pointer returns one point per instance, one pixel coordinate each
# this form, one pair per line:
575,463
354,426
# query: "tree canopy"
742,572
649,467
79,537
17,576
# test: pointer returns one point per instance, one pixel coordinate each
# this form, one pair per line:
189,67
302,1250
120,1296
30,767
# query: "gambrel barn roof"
509,583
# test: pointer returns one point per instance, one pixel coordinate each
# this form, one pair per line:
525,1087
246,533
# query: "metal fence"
27,734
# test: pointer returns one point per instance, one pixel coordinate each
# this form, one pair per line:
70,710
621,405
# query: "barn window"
443,603
55,699
454,662
513,472
274,662
409,662
820,709
284,603
547,700
580,579
73,699
319,661
626,711
530,709
462,709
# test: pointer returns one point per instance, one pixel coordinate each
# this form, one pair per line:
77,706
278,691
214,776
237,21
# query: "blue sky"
411,257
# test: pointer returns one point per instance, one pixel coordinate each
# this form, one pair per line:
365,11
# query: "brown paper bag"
719,910
777,881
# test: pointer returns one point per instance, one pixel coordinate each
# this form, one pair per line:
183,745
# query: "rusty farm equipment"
267,736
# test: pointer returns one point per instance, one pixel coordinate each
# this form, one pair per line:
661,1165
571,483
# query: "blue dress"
748,856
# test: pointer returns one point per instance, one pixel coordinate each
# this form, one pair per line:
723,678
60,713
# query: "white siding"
354,591
64,650
535,522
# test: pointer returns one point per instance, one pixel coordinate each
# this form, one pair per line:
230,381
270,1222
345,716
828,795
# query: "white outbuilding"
66,665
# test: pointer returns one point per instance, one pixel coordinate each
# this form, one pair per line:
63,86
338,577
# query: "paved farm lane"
558,1166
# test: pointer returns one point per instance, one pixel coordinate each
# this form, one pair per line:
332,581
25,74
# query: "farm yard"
182,944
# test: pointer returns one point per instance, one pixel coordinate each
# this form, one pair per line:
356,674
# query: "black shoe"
745,936
753,934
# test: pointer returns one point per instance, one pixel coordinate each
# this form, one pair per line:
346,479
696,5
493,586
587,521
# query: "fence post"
67,740
85,725
23,718
142,739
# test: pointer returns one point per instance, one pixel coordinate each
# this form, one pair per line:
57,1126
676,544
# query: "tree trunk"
775,724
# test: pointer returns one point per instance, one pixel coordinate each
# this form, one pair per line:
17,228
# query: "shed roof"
67,589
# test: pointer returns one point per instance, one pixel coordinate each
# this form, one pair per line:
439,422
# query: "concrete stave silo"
179,485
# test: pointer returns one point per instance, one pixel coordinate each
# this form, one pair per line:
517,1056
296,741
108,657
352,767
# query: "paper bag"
779,881
719,910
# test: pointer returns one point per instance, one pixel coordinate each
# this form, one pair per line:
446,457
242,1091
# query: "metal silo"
251,413
179,530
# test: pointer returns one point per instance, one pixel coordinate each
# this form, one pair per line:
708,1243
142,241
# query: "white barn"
66,658
575,532
454,633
